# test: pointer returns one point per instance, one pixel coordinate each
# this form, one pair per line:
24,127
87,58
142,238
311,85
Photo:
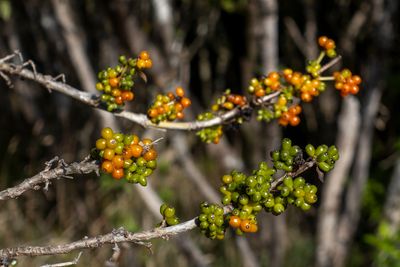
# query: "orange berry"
286,116
171,96
148,63
160,110
178,107
354,89
292,111
118,173
180,115
107,166
245,226
179,91
357,79
253,228
118,162
330,44
273,76
294,121
298,109
150,155
346,88
152,113
260,93
283,122
114,82
128,95
234,221
186,102
136,150
322,40
144,55
140,64
339,85
306,97
127,153
119,100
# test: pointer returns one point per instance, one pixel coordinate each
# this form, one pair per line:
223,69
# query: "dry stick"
116,236
55,169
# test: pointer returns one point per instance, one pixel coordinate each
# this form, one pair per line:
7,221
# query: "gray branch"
55,169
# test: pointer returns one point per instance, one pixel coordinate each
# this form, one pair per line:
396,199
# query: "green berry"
310,150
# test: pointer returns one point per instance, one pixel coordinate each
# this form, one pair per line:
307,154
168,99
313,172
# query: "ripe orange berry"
260,93
294,121
178,107
186,102
273,76
118,173
107,166
148,63
245,226
234,221
180,115
136,150
135,140
152,113
322,40
140,64
127,153
253,228
357,79
161,110
128,95
114,82
306,97
179,91
283,122
330,44
119,100
150,155
285,116
354,89
144,55
171,96
118,162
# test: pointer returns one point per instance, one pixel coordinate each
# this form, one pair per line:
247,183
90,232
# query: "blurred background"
206,47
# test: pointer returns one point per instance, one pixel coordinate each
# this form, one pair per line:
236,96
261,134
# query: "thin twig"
64,264
330,64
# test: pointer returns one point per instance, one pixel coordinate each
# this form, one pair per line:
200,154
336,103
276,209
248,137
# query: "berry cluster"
324,155
116,83
291,116
346,82
126,156
211,134
211,221
245,226
229,101
284,158
265,85
304,85
328,45
296,192
168,214
169,107
245,196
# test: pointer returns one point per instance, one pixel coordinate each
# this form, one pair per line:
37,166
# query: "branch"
93,100
55,169
116,236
